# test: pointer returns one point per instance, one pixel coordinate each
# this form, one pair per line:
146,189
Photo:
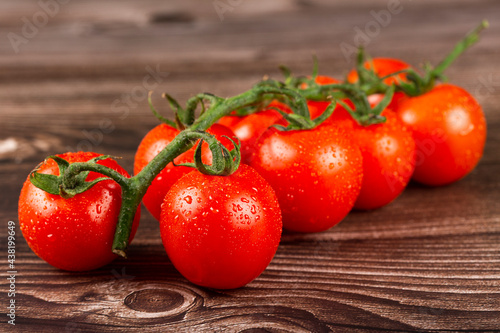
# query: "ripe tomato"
154,142
449,129
388,151
74,234
248,129
221,231
384,67
230,120
316,174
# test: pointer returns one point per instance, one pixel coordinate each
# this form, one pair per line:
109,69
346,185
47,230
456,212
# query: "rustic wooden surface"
428,262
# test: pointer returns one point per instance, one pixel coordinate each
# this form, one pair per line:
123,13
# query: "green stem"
421,84
131,199
459,48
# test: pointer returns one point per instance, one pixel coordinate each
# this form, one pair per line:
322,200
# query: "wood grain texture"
430,261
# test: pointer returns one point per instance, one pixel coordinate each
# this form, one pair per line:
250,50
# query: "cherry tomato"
221,231
230,121
384,67
316,174
154,142
449,129
388,151
74,234
249,130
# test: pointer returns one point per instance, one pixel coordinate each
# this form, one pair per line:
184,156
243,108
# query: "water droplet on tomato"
245,200
188,199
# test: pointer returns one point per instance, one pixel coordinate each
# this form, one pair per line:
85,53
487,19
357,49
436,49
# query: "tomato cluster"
306,162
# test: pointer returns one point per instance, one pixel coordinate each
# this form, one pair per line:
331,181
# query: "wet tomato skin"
248,129
388,151
316,174
251,127
74,234
154,142
221,231
449,129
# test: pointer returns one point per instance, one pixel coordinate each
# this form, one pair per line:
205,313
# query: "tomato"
154,142
388,151
449,129
221,231
249,130
316,174
384,67
74,234
230,121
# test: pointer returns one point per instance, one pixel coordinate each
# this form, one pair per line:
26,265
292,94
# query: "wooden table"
430,261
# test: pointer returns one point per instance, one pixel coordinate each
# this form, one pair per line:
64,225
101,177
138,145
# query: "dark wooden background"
430,261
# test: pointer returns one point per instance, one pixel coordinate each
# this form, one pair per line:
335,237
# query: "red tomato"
388,151
449,129
316,174
221,232
73,234
384,67
230,121
250,128
154,142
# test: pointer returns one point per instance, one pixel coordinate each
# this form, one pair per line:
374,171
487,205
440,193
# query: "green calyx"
64,186
357,93
364,113
300,118
224,161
